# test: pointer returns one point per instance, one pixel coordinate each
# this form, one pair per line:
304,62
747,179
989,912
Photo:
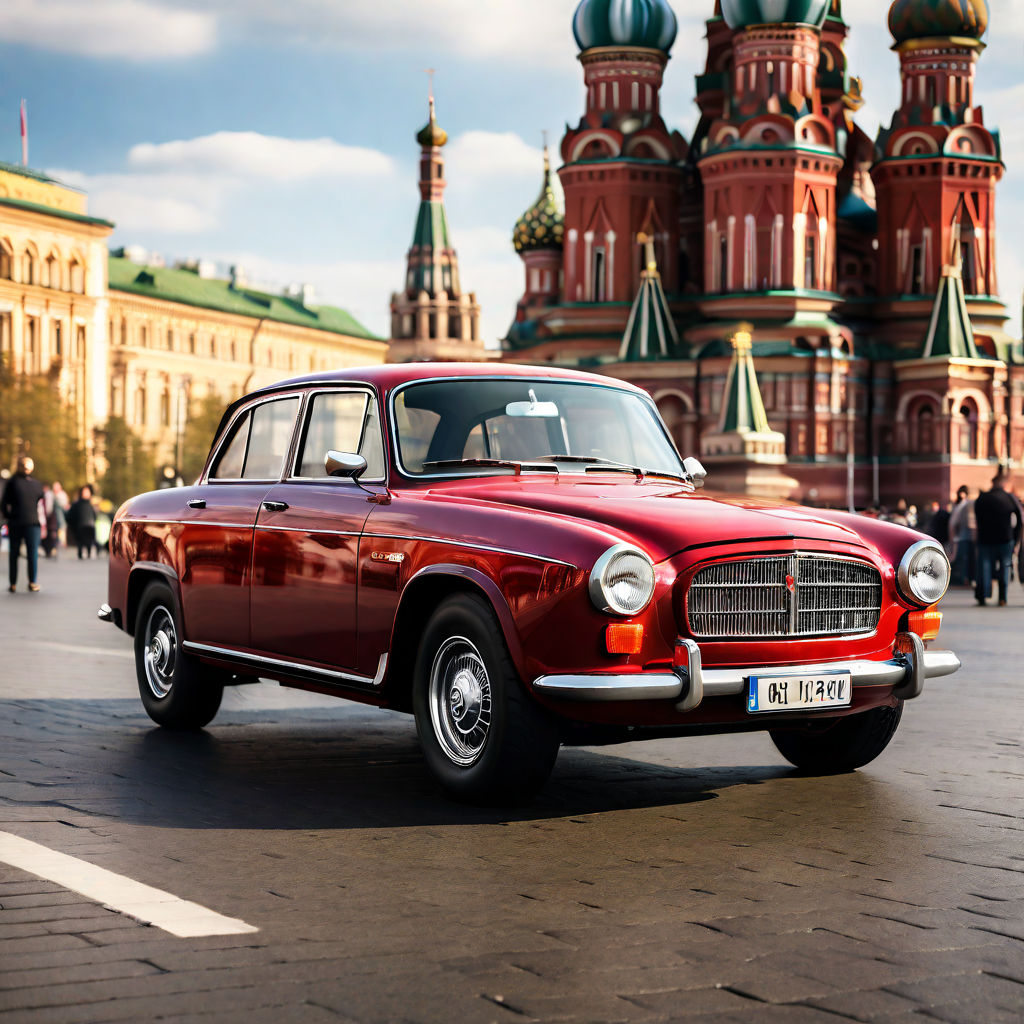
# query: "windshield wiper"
485,464
594,462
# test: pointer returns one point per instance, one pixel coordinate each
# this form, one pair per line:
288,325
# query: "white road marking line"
78,649
125,895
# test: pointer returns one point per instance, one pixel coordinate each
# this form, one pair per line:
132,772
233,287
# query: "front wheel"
844,746
483,737
177,690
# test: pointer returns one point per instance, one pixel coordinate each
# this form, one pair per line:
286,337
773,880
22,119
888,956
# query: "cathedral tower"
620,168
432,318
937,168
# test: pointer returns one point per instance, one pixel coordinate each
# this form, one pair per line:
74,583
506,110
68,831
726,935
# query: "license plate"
797,692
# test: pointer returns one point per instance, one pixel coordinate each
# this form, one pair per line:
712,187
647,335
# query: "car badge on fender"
791,584
387,556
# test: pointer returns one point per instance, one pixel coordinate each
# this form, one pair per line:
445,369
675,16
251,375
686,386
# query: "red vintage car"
519,557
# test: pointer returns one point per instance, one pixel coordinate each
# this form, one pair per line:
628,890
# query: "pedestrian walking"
82,517
63,504
22,505
999,528
963,535
50,512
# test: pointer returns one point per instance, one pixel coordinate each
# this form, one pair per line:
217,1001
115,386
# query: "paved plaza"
701,880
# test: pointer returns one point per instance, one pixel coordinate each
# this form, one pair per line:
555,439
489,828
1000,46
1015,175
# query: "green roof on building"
188,288
650,332
743,408
950,332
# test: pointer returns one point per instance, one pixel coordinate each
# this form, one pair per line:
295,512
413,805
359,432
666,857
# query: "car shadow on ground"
322,769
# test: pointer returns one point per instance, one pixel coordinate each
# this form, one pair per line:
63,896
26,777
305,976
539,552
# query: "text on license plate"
791,693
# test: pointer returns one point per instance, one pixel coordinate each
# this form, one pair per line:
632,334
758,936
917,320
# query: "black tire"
484,738
177,690
848,744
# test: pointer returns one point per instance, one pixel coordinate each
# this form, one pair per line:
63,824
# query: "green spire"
950,333
650,332
743,410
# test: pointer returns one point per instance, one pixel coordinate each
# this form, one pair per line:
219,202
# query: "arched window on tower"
599,276
723,262
924,439
811,258
967,426
6,261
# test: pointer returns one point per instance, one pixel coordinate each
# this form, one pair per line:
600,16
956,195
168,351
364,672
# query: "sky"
281,136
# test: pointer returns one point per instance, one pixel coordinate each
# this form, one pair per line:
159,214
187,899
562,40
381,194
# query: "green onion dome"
647,23
543,224
748,13
925,19
432,134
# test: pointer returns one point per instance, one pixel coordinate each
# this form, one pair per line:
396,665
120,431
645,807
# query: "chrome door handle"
197,503
275,506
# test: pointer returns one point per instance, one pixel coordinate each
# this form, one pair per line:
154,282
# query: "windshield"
492,425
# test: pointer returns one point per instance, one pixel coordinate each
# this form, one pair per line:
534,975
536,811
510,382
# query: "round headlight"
622,580
923,574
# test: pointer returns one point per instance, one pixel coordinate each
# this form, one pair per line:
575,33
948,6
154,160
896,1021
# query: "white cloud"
252,156
514,30
131,29
183,187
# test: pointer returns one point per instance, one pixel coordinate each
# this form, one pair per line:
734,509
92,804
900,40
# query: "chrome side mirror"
344,464
695,471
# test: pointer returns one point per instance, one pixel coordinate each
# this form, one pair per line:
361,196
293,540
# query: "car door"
306,546
218,520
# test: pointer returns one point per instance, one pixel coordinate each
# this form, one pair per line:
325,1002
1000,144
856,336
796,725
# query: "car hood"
661,517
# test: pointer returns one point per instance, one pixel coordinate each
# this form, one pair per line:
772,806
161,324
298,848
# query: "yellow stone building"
130,337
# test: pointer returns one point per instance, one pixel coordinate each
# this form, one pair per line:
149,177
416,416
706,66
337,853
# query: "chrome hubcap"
460,701
161,650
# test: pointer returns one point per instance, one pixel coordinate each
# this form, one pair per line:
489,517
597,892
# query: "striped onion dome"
924,19
543,224
748,13
647,23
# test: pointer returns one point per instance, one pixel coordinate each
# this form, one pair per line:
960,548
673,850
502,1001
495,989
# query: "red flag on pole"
24,135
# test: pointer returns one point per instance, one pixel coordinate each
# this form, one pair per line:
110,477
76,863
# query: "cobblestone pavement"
698,880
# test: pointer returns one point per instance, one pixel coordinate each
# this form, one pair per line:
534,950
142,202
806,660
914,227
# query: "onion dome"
925,19
543,224
647,23
748,13
432,134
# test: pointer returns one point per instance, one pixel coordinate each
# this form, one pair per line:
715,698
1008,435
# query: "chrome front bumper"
690,685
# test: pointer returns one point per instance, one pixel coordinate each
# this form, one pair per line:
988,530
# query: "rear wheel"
483,737
843,746
177,690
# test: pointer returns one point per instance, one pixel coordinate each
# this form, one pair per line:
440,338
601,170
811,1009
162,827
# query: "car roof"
392,375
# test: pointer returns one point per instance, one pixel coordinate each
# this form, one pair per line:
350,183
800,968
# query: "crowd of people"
38,516
981,535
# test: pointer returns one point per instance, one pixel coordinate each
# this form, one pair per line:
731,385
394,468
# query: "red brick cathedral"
808,306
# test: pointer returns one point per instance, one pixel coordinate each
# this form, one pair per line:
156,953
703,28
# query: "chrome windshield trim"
296,667
621,386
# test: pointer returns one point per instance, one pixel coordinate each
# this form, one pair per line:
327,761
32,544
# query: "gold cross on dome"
430,72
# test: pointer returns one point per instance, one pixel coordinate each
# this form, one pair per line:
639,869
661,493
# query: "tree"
203,420
35,420
130,465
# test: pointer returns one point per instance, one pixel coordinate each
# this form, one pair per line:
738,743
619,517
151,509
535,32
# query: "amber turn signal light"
624,638
925,623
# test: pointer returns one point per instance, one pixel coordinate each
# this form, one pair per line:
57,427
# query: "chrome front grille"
784,595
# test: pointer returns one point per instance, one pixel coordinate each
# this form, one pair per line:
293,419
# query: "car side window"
269,437
343,421
232,455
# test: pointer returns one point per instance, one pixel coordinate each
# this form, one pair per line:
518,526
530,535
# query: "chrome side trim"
638,686
382,667
293,667
352,533
186,522
476,547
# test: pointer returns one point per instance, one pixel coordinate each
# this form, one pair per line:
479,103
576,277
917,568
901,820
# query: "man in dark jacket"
999,529
21,502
